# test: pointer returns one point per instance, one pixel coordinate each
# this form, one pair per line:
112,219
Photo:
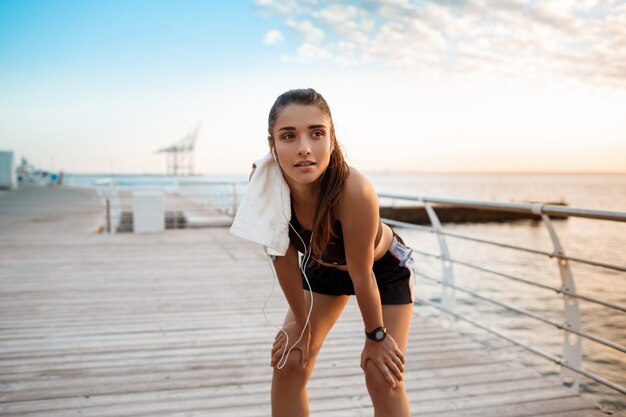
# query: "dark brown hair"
331,182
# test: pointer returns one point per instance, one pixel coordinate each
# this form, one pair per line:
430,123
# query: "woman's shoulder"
357,191
356,183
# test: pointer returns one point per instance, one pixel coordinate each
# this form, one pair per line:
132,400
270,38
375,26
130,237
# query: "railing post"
234,198
108,214
448,300
572,344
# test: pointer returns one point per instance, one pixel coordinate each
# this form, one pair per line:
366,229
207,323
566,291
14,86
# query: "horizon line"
379,171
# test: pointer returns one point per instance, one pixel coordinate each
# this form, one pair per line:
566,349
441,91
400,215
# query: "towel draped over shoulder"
264,214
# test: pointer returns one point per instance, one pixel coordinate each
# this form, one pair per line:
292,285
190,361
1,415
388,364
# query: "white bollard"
148,212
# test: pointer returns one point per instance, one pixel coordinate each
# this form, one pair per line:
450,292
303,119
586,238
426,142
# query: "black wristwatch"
377,335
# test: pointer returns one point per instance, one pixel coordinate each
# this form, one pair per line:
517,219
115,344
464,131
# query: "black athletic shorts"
394,275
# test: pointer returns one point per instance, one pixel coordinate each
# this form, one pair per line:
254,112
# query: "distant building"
7,171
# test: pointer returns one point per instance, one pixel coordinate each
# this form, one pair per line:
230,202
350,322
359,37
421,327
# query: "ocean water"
590,239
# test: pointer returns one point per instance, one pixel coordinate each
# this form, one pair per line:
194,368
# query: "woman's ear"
270,143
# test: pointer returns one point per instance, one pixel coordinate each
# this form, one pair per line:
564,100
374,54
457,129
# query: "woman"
335,221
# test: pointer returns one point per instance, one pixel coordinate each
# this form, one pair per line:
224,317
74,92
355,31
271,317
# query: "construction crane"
180,154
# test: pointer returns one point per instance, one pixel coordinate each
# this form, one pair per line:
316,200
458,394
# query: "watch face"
380,335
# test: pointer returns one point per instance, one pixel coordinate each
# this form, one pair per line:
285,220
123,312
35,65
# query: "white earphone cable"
305,260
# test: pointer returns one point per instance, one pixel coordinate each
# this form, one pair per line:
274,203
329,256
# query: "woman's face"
302,142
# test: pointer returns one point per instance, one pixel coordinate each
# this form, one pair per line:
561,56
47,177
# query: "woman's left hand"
387,356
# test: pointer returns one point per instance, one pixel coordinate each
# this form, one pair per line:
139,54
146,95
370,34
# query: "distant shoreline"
382,172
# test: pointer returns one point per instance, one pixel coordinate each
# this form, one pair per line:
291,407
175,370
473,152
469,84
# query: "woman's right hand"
387,356
294,331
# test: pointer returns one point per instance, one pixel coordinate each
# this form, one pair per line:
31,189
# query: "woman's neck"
304,195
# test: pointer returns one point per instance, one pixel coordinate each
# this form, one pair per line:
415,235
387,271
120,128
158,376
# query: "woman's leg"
390,402
289,397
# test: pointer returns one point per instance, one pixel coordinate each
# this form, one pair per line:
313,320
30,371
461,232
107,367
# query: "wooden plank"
160,325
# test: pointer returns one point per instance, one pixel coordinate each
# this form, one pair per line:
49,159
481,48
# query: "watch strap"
375,334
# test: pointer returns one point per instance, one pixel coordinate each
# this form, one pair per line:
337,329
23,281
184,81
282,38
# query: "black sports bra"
335,251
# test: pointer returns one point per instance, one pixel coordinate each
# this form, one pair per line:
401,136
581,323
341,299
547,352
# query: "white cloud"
308,52
273,37
344,62
308,31
337,13
540,41
346,48
287,7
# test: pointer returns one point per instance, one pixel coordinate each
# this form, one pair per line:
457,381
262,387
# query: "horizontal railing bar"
529,282
185,182
206,182
544,286
594,300
515,207
526,281
473,239
391,222
432,255
527,313
505,245
595,263
511,277
538,352
491,300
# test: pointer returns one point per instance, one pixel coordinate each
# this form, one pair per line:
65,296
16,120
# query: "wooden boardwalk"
172,325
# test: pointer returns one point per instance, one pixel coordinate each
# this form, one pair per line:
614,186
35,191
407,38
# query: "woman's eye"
317,133
288,136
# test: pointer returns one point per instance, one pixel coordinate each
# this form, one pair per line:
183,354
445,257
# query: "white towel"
265,211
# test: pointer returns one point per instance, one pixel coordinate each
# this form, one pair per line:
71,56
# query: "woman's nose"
304,147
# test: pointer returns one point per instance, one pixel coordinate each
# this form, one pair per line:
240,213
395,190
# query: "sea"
598,240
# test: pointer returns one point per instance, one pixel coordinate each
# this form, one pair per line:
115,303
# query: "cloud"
583,40
273,37
308,52
308,31
287,7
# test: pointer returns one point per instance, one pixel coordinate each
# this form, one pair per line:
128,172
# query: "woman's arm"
288,272
359,220
294,334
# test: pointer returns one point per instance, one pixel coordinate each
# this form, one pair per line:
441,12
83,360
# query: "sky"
422,86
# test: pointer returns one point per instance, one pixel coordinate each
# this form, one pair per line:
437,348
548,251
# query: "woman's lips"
305,168
304,165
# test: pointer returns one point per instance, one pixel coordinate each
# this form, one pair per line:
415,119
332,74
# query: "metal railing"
223,196
110,199
226,197
571,359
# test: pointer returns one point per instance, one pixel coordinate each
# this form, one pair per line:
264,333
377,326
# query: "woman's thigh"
397,319
326,311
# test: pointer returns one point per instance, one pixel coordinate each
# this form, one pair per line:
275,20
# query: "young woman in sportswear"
335,224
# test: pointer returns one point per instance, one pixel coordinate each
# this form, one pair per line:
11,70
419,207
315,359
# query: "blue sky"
513,85
128,35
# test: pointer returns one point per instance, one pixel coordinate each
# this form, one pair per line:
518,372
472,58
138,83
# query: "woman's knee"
378,386
292,372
